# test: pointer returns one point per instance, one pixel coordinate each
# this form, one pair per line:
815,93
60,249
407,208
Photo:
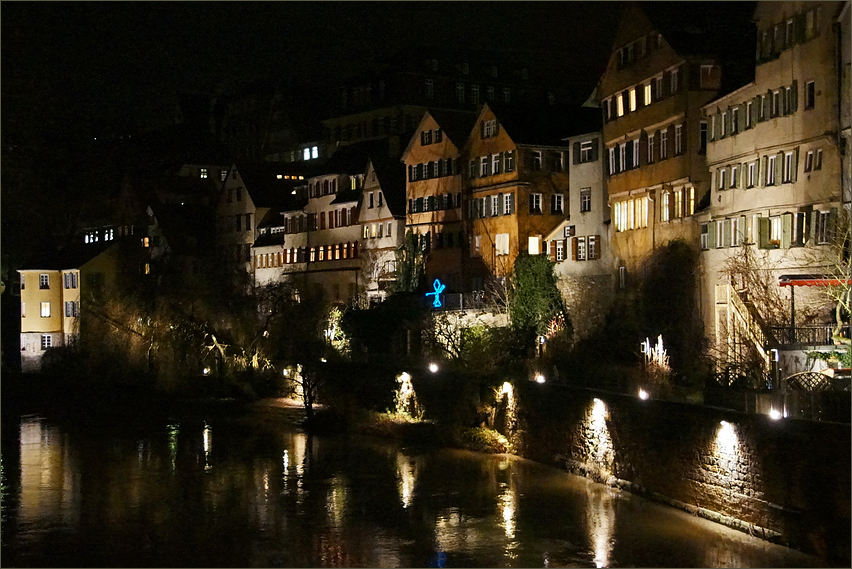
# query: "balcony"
807,335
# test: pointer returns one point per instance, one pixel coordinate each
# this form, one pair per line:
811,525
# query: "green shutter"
761,180
812,227
779,168
711,235
576,153
594,150
795,174
763,232
741,112
832,221
795,103
786,230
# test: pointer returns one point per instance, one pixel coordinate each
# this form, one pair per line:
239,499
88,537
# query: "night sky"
82,68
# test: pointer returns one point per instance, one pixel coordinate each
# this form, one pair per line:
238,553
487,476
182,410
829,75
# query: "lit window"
45,310
586,199
315,152
535,203
586,151
534,245
489,128
647,94
678,203
632,96
788,167
306,154
619,106
557,202
203,173
501,244
664,207
223,175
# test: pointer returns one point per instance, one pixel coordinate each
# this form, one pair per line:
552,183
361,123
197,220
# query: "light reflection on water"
214,493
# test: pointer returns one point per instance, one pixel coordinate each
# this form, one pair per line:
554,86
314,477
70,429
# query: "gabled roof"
186,228
391,177
352,159
73,256
704,28
547,127
266,190
455,124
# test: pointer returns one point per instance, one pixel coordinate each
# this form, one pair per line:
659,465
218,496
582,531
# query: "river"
248,491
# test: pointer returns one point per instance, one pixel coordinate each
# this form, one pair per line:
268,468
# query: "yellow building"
517,178
55,291
434,194
665,65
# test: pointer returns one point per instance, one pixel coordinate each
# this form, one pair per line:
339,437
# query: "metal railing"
806,335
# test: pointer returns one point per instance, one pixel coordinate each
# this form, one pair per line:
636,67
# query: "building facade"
579,245
659,75
434,196
775,153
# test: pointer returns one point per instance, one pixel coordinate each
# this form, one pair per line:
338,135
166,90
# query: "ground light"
433,367
643,395
774,414
539,378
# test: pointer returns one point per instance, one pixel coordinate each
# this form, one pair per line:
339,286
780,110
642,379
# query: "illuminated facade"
658,78
775,157
579,245
52,291
382,219
434,195
516,174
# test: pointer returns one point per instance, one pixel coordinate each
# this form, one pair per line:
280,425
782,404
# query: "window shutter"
694,77
597,247
812,227
628,156
763,232
625,101
832,222
496,128
741,117
757,111
553,251
799,24
643,148
786,230
684,137
511,203
618,166
743,170
670,141
728,121
594,150
576,153
500,199
794,104
795,173
767,100
657,145
711,235
779,168
667,83
574,249
762,178
717,126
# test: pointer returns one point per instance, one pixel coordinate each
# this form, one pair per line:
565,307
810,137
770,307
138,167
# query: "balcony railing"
806,335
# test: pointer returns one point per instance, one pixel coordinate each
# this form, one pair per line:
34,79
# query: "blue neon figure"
439,288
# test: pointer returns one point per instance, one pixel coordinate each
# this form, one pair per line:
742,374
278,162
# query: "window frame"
535,203
585,200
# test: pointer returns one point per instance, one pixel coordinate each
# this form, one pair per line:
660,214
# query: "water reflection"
273,497
600,521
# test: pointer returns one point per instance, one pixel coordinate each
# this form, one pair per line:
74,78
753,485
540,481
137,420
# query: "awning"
812,280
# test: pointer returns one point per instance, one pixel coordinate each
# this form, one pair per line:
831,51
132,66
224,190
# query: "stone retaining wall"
787,481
